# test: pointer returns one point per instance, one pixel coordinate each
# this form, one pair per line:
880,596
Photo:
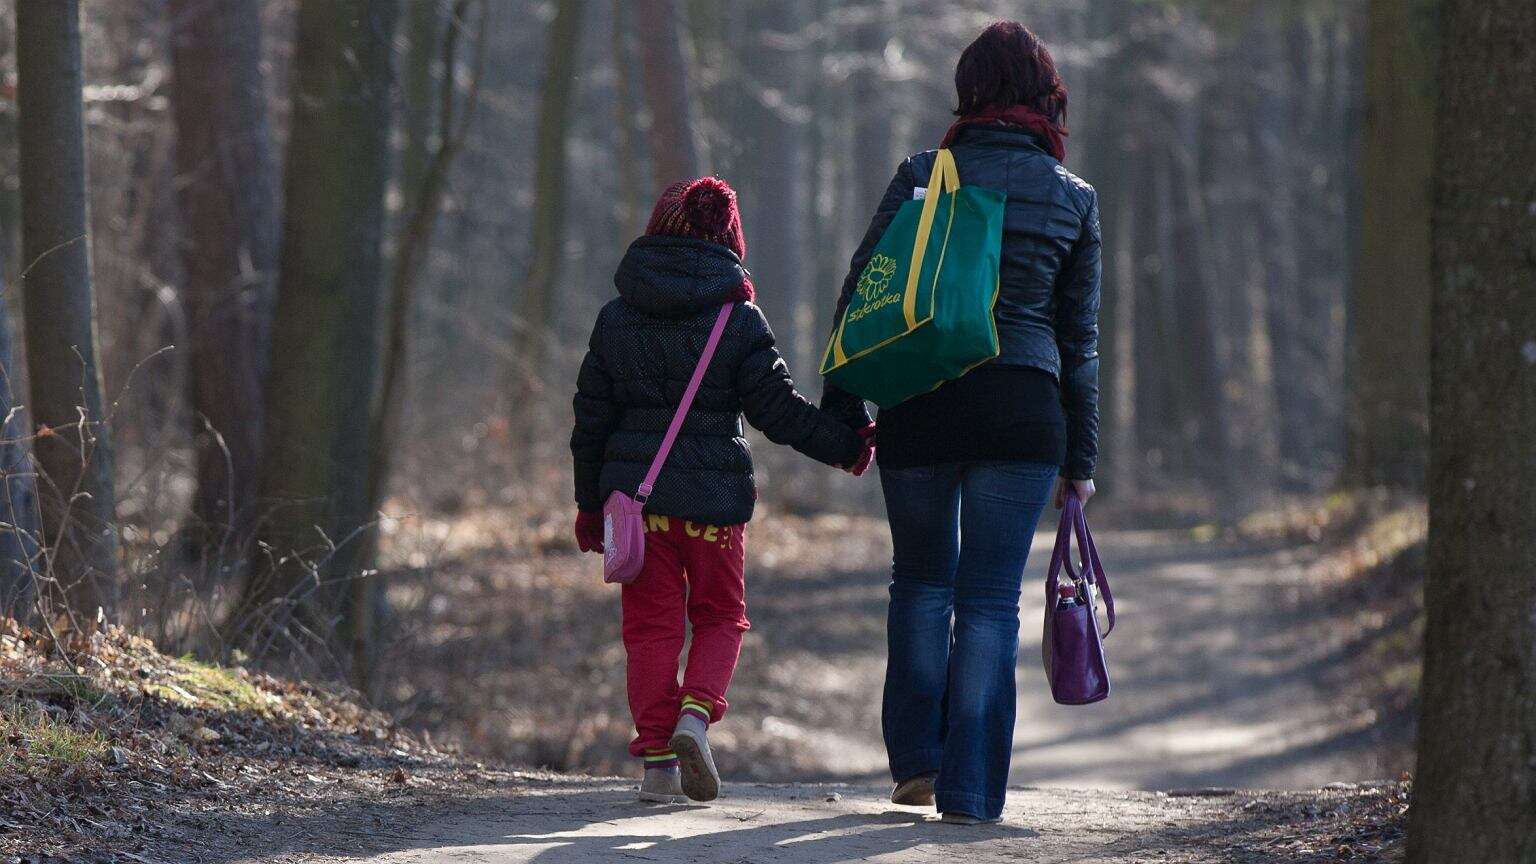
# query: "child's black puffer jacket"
643,352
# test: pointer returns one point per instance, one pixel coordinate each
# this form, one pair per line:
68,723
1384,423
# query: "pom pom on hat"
705,209
708,204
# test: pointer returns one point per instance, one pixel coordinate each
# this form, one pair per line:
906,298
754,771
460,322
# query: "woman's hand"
1084,489
867,455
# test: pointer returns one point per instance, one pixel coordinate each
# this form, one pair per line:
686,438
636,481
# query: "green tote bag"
921,313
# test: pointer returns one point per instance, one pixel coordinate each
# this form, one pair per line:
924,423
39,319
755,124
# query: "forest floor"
1279,653
1273,655
574,820
122,755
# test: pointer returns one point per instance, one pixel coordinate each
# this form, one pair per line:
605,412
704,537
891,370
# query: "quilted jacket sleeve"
771,403
1077,338
597,415
843,405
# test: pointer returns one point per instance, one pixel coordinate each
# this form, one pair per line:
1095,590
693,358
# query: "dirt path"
1220,679
1225,679
1225,672
1229,665
578,820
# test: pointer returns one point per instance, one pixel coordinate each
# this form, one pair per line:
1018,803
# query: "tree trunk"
873,151
664,75
1475,794
229,213
73,449
1267,305
19,529
780,259
423,25
536,306
1120,406
626,146
324,359
1389,320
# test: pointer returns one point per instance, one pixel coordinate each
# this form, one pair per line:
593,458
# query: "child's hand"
589,531
867,455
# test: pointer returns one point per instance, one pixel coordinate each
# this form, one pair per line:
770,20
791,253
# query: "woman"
967,469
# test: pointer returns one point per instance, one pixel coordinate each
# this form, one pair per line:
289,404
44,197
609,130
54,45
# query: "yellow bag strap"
943,177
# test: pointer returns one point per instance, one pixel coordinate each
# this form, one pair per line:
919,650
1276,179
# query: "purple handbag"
1072,646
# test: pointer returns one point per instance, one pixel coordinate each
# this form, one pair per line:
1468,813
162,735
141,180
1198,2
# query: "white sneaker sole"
662,798
701,781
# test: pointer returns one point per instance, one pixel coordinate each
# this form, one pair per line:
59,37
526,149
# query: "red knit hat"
704,209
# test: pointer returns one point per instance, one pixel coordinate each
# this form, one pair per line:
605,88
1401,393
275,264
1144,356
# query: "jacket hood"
677,276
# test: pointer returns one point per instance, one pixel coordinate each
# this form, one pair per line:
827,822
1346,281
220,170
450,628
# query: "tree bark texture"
536,305
324,358
1475,791
19,527
228,195
73,446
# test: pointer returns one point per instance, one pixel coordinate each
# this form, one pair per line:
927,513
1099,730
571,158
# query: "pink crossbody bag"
623,516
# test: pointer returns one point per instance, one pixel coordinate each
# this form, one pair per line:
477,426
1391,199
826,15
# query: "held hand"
589,531
1084,489
867,455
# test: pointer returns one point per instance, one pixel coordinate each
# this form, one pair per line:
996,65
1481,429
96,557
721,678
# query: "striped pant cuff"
663,759
699,707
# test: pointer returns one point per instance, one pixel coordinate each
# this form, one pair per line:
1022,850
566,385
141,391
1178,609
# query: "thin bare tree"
72,446
536,304
19,528
424,178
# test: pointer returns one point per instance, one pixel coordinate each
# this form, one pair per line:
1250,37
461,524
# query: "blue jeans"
961,535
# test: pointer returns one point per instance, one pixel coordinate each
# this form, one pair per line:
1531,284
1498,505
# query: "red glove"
589,531
867,455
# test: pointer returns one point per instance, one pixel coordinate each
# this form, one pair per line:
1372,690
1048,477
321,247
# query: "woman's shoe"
915,791
662,786
701,781
966,819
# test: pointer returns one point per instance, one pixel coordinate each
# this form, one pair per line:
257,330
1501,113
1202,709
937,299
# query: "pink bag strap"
681,414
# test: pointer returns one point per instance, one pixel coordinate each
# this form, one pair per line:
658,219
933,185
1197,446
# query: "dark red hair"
1008,65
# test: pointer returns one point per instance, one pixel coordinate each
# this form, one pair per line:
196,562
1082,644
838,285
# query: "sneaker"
915,791
967,819
700,780
662,786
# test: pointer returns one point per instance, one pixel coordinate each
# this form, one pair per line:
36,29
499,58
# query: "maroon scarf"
1054,133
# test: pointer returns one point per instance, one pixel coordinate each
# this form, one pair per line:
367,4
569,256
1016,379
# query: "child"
672,283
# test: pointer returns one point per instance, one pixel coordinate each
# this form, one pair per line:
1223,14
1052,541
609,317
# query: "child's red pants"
695,571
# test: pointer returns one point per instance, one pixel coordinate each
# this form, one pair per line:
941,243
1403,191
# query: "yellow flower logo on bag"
876,277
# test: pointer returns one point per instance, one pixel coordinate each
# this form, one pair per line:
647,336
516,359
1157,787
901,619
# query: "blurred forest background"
344,257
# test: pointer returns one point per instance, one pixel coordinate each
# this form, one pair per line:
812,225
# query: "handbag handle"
644,492
1074,521
941,178
1093,570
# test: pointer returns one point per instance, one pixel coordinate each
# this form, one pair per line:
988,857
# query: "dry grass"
122,745
29,733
